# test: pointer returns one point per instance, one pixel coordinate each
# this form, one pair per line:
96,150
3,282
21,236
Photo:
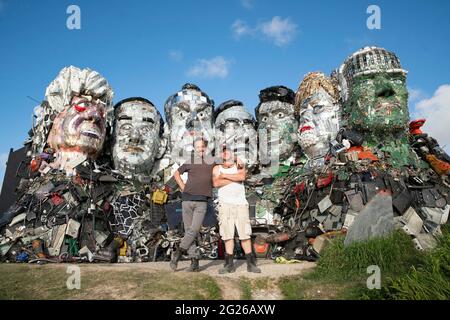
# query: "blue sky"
231,49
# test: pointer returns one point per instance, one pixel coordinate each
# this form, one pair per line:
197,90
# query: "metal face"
190,115
378,102
80,127
136,137
235,127
277,121
319,123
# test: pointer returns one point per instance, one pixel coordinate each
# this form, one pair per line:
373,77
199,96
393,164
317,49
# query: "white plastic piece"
19,218
413,222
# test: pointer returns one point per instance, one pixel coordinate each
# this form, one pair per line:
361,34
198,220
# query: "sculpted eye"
145,130
318,109
280,115
181,114
126,127
264,119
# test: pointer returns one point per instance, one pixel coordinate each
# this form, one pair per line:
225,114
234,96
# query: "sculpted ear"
162,148
164,142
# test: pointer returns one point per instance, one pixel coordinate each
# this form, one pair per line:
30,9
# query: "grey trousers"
193,214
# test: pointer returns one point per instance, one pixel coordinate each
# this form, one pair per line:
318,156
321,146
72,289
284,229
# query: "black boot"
251,263
176,255
195,266
229,265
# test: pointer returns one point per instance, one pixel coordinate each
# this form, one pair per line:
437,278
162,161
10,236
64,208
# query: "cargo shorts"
231,217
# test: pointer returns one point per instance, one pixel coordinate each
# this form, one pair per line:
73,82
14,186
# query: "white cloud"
277,30
280,31
247,4
176,55
240,28
217,67
415,94
436,110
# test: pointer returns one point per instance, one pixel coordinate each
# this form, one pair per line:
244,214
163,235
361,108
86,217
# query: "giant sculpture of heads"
73,119
374,92
317,103
137,136
235,127
277,123
189,115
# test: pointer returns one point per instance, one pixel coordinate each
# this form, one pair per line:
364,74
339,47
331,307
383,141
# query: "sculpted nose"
190,124
135,138
92,114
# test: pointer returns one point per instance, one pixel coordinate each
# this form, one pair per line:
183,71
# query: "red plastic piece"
57,199
35,164
299,188
322,182
414,126
363,154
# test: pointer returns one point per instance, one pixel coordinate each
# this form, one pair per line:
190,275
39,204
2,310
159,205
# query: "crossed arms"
223,179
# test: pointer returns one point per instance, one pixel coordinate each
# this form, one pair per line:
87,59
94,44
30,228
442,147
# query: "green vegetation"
341,273
394,254
246,289
428,280
49,282
406,273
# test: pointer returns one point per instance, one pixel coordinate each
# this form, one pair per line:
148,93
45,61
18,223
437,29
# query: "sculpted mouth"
386,107
305,128
133,149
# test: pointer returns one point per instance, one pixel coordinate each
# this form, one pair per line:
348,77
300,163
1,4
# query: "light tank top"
233,193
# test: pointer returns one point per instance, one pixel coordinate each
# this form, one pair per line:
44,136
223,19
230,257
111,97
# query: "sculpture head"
138,127
318,107
75,114
235,127
277,121
80,127
374,92
189,115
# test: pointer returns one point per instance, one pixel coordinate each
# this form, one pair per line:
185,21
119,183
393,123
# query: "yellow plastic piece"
123,250
159,196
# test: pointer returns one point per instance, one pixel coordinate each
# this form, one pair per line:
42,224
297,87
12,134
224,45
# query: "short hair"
146,101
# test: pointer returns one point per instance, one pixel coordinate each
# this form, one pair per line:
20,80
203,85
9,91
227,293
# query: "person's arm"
217,180
178,179
239,176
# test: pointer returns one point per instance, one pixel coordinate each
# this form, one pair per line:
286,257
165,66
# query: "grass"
301,288
429,280
406,273
246,289
394,254
259,288
341,273
36,282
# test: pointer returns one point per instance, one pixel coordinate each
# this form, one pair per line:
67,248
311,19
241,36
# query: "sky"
230,49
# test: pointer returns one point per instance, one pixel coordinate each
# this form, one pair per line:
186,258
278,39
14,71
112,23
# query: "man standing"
196,193
233,210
